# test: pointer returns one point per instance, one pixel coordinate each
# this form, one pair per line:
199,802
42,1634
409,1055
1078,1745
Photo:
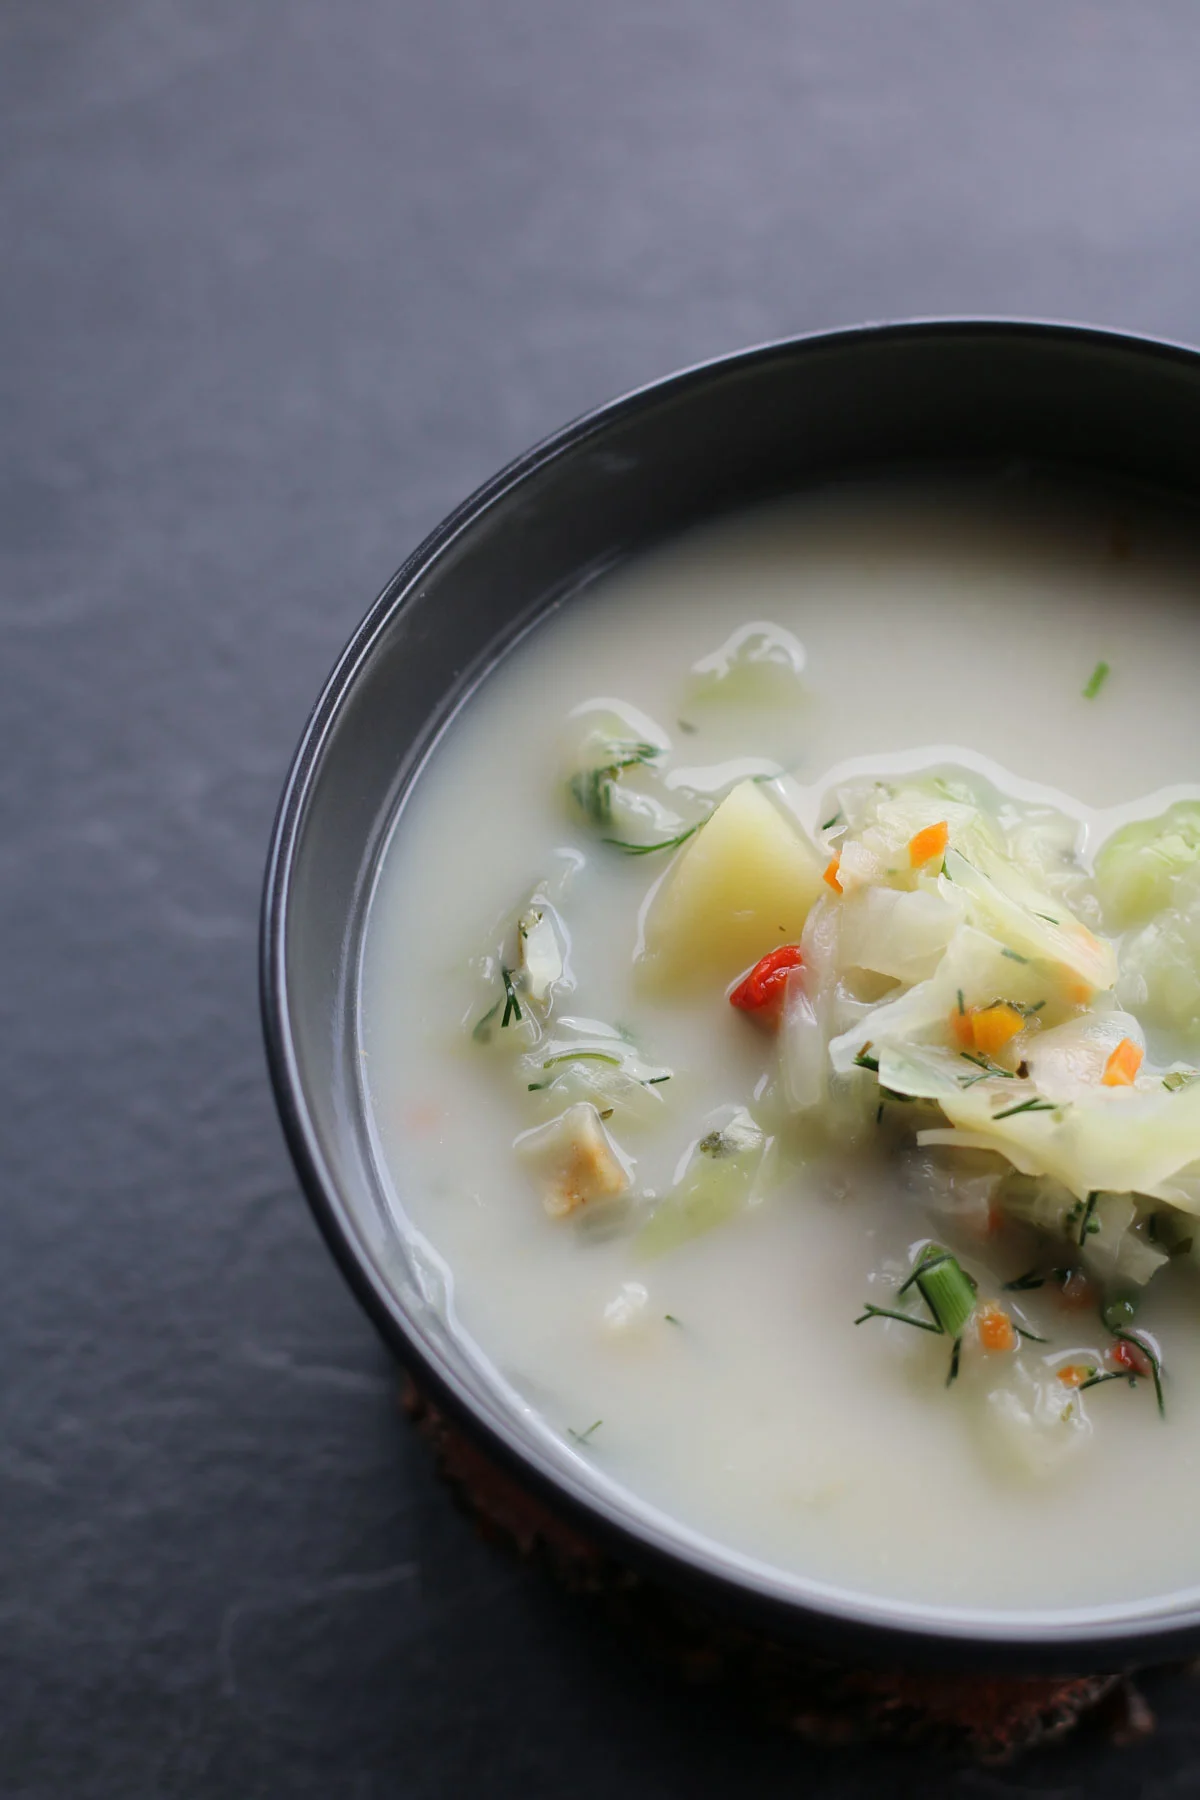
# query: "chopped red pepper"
1128,1356
761,992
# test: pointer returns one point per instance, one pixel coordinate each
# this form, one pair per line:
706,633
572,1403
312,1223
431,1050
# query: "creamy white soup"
779,1020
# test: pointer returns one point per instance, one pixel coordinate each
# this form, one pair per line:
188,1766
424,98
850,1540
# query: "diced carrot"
761,992
1123,1065
1077,1292
831,873
995,1328
1128,1356
1074,1374
994,1026
924,845
1079,993
962,1030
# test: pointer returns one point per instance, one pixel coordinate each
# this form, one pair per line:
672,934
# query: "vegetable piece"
576,1161
944,1286
995,1329
761,992
542,960
1139,868
830,875
928,843
717,1183
1001,900
1073,1375
993,1026
1122,1066
888,931
1131,1357
746,879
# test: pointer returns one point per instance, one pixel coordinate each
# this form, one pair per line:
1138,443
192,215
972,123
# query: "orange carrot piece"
995,1328
831,873
1074,1374
1123,1065
962,1029
926,844
1077,1292
994,1026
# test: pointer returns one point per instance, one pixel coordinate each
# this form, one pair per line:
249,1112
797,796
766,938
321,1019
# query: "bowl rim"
879,1628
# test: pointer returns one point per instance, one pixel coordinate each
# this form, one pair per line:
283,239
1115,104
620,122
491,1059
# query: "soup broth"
693,1339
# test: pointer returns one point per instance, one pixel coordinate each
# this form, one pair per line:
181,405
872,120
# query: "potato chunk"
742,886
575,1160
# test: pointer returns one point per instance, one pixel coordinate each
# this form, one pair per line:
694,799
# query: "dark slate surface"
280,281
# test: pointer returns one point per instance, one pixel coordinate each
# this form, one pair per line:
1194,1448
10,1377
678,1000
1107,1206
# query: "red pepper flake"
761,992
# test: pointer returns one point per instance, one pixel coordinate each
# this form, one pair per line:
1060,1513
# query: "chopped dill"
630,849
1098,1380
1088,1223
1012,955
879,1113
1096,680
962,1011
955,1353
885,1312
830,823
1032,1278
1129,1337
581,1437
672,1320
1049,920
512,1006
655,1080
1026,1106
483,1028
866,1061
686,725
986,1063
1032,1336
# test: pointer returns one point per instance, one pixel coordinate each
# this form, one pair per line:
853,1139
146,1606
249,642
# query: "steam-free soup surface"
723,1379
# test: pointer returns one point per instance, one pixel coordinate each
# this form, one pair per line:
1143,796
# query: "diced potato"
742,886
575,1160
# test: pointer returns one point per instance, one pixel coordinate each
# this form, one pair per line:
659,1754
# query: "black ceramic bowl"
750,426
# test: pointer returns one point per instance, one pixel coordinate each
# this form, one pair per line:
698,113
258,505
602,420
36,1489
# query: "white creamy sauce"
734,1390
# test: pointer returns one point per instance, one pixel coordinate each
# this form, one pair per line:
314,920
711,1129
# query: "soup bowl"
759,424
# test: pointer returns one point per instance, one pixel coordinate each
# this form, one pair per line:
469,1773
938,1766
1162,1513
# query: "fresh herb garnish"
654,1080
1026,1106
512,1006
1139,1343
864,1060
1088,1223
986,1063
1098,1380
1012,954
631,849
1032,1278
672,1320
955,1353
592,789
1031,1335
483,1029
885,1312
830,823
1096,680
581,1437
962,1011
1047,917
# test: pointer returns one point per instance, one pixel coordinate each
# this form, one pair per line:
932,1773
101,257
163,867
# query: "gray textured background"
280,281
